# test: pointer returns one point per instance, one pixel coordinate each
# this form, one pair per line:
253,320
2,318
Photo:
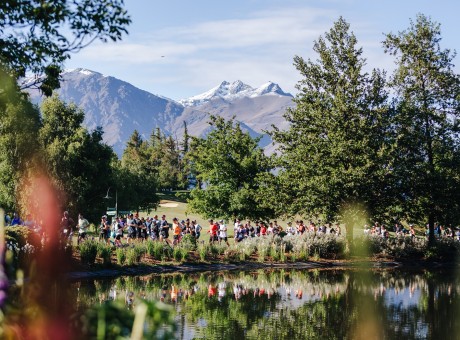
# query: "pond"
295,304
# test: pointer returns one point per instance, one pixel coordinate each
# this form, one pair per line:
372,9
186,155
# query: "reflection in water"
329,304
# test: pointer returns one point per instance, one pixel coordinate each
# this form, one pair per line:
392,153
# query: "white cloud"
187,60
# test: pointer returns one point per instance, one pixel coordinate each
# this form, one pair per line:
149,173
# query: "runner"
118,233
104,230
177,231
131,228
212,231
67,224
198,229
164,229
82,228
223,232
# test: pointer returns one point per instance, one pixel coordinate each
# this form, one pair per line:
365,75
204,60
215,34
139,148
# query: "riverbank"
143,269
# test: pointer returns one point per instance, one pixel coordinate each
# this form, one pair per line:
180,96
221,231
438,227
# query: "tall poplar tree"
333,155
427,154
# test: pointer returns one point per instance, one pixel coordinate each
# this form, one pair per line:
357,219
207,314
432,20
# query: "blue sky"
183,48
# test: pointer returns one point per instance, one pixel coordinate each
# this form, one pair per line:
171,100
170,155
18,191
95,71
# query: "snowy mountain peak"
82,71
270,88
231,91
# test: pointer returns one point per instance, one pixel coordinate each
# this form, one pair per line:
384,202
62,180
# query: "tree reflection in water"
278,304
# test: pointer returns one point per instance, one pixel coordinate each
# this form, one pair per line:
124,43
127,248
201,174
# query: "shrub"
131,256
445,248
140,251
203,251
263,248
104,251
22,235
326,246
121,256
283,253
400,247
184,254
177,253
189,242
274,252
155,249
88,251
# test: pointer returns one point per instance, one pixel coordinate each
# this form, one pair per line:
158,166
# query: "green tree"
78,161
137,177
332,161
38,36
19,125
170,168
167,160
427,94
228,162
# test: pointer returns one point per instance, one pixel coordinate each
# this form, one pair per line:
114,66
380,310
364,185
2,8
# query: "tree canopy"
38,36
427,106
332,155
228,162
77,160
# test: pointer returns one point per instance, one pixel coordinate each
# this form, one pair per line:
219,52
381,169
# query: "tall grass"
88,252
121,256
104,251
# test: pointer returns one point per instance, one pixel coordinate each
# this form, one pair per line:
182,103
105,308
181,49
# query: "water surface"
296,304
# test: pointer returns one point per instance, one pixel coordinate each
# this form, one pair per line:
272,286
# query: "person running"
130,223
263,229
177,228
412,232
148,226
138,227
213,228
82,228
104,230
155,228
251,229
290,230
67,224
164,229
198,229
118,232
223,232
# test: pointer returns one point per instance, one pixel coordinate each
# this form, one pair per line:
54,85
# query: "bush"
177,254
88,251
104,251
184,254
22,235
121,256
326,246
203,251
131,256
188,242
399,247
134,254
445,248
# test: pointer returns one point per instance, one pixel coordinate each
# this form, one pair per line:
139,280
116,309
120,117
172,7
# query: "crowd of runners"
131,228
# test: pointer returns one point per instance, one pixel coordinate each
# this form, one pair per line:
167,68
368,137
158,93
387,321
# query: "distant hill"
120,107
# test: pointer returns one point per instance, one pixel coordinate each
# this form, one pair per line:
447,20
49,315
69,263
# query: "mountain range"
120,107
